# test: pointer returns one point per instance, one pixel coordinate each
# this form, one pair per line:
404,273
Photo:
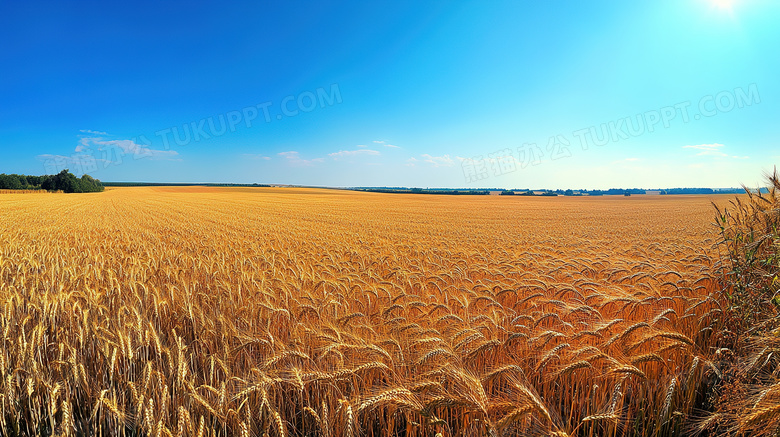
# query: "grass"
748,401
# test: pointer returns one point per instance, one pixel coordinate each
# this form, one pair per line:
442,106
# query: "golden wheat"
313,312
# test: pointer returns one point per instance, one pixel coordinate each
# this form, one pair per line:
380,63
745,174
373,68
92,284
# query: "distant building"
653,192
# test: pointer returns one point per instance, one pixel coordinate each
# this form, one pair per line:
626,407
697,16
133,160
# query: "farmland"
302,312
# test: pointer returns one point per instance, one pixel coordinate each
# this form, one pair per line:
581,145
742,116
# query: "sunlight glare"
726,5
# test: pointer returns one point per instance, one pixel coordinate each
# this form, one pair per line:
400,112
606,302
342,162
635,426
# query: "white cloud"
385,144
127,147
351,153
112,149
714,149
713,146
438,161
294,158
131,147
93,132
85,143
707,149
94,152
362,145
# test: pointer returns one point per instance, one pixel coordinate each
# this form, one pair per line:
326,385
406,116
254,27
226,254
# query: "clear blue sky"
432,94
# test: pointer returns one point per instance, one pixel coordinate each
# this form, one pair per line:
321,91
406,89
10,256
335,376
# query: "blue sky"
440,94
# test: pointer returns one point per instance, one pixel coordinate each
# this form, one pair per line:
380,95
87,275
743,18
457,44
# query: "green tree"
10,182
67,182
63,181
90,184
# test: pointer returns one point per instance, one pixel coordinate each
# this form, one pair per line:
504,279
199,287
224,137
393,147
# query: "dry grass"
284,312
748,402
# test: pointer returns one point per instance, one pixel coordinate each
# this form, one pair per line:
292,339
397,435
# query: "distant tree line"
619,191
527,193
470,192
64,181
168,184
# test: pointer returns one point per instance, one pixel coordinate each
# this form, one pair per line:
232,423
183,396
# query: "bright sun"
723,4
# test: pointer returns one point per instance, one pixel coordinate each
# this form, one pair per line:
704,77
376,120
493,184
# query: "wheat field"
197,311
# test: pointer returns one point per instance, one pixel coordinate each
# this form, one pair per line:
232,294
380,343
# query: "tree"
67,182
10,182
64,181
90,184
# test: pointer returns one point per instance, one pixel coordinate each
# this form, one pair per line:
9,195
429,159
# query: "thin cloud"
115,150
352,153
385,144
707,149
126,147
95,152
92,132
714,149
294,158
438,161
